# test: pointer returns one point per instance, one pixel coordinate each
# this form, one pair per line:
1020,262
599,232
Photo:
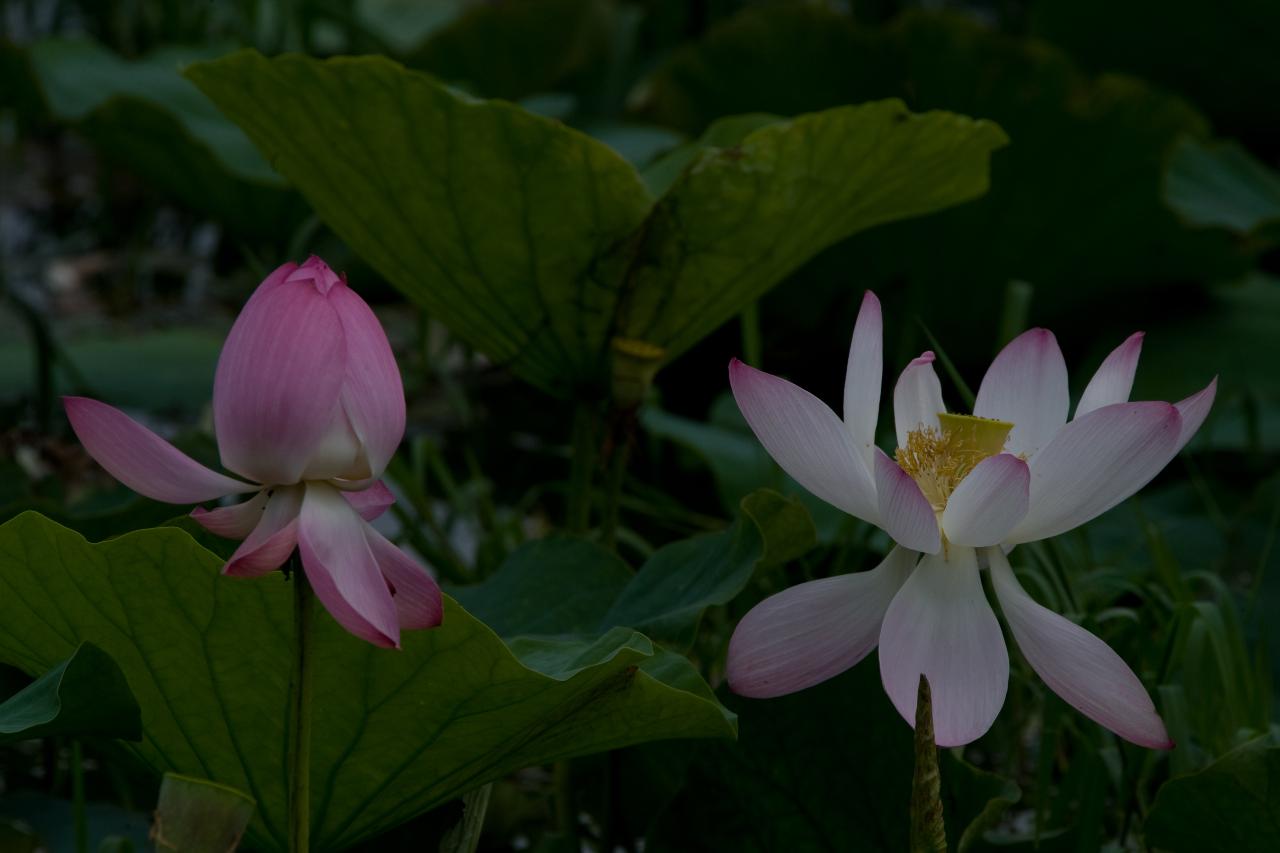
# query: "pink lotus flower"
308,404
960,491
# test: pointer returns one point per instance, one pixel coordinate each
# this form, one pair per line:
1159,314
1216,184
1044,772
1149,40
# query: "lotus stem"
928,832
300,711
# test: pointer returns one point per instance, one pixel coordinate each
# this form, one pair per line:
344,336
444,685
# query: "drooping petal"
941,626
863,376
278,383
1095,462
415,593
1026,385
806,438
372,393
905,513
233,522
342,570
1076,665
371,502
1114,378
989,502
273,539
142,460
1194,410
917,398
813,631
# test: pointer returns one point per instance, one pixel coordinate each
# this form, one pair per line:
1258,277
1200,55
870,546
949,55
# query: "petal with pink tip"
1095,462
941,626
806,438
273,539
1076,665
905,513
371,502
917,398
989,502
813,631
1114,378
278,383
1194,410
342,569
142,460
415,593
372,393
233,522
1026,385
863,376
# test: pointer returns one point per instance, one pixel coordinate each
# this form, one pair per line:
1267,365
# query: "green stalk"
300,712
928,832
581,465
77,798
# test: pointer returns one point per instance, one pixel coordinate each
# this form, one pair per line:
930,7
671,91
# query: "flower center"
938,459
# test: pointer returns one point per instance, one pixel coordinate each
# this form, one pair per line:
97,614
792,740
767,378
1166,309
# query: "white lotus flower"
959,490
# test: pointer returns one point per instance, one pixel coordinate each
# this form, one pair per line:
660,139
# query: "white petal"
1194,410
1027,386
988,502
941,626
1076,665
917,398
1114,379
806,438
813,631
905,513
1095,462
863,376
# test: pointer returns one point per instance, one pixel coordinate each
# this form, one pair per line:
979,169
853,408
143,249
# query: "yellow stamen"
938,459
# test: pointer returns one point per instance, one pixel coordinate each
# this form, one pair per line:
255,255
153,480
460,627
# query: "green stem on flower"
621,438
78,816
752,342
300,712
582,464
928,832
1014,312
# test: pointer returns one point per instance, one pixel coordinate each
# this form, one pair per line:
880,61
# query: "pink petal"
233,522
342,569
1114,379
1095,462
806,438
372,393
273,540
863,376
279,376
317,273
371,502
940,624
1027,386
988,502
415,593
917,398
905,513
813,631
142,460
1194,410
1076,665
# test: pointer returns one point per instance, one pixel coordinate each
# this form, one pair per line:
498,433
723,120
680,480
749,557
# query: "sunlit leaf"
538,244
199,816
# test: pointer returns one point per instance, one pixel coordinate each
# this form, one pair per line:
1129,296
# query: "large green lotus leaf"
828,768
1232,805
395,733
538,244
1222,185
85,695
564,586
1075,206
144,114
